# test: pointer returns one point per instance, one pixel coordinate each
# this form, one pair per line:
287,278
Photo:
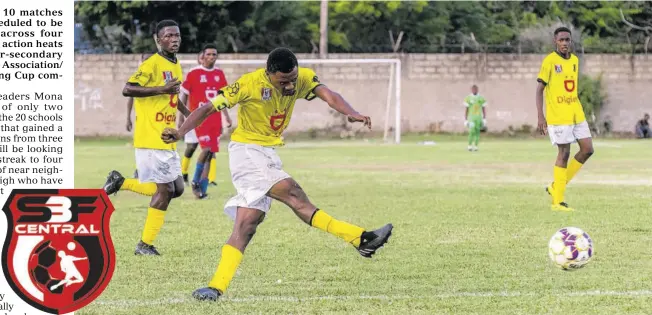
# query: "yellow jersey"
560,75
264,113
155,113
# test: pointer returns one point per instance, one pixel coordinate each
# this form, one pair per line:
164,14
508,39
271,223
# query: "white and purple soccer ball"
570,248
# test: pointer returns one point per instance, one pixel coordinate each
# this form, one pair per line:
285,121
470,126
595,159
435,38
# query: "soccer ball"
41,261
570,248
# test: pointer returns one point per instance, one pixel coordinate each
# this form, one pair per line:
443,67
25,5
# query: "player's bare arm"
130,106
541,124
181,105
193,121
338,103
183,97
229,122
135,90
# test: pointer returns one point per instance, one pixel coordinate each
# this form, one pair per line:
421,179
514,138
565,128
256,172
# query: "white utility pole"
323,30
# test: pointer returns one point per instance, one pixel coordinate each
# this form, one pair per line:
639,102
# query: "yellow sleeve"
232,94
143,74
544,72
308,82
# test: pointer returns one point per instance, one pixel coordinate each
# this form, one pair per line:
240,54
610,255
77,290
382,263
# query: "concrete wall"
433,87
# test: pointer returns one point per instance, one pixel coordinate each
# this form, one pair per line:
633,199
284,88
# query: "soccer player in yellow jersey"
564,120
267,97
155,87
130,106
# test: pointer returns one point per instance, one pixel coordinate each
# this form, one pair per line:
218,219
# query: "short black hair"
281,59
562,29
163,24
208,46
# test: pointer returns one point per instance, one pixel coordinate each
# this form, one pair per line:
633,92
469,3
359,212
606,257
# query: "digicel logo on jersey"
167,118
567,99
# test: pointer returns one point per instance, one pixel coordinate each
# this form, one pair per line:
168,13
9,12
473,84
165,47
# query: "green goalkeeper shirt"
475,103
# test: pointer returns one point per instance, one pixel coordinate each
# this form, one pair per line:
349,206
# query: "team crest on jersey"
558,68
217,78
58,255
266,94
167,76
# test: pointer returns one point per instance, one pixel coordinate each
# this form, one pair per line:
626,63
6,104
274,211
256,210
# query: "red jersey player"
191,143
201,85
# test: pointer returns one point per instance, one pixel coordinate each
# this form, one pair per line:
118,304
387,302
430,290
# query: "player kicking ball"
155,87
201,85
476,116
267,97
564,120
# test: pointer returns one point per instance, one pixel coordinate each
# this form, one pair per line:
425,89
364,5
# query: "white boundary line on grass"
170,301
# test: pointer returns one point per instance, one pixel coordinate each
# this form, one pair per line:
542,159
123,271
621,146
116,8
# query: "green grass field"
470,233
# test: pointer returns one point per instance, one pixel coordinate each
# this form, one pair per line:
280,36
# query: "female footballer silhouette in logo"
68,267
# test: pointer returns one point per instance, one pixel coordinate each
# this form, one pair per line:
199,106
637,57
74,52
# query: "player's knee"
190,149
178,191
564,153
166,191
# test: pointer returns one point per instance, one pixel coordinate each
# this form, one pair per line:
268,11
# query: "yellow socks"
573,167
231,258
153,224
185,163
348,232
212,173
559,174
132,184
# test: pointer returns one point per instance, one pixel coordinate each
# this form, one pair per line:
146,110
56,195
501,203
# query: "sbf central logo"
58,255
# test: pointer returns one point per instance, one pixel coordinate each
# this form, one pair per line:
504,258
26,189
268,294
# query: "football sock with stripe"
346,231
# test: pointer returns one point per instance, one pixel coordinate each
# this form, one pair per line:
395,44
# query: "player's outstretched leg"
244,228
156,215
115,182
290,193
185,161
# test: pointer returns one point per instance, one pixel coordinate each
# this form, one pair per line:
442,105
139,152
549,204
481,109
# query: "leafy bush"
593,96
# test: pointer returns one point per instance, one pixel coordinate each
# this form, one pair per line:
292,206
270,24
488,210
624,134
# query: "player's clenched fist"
360,118
170,135
172,87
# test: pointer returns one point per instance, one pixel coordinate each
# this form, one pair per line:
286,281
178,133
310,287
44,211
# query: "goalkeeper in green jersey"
475,116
